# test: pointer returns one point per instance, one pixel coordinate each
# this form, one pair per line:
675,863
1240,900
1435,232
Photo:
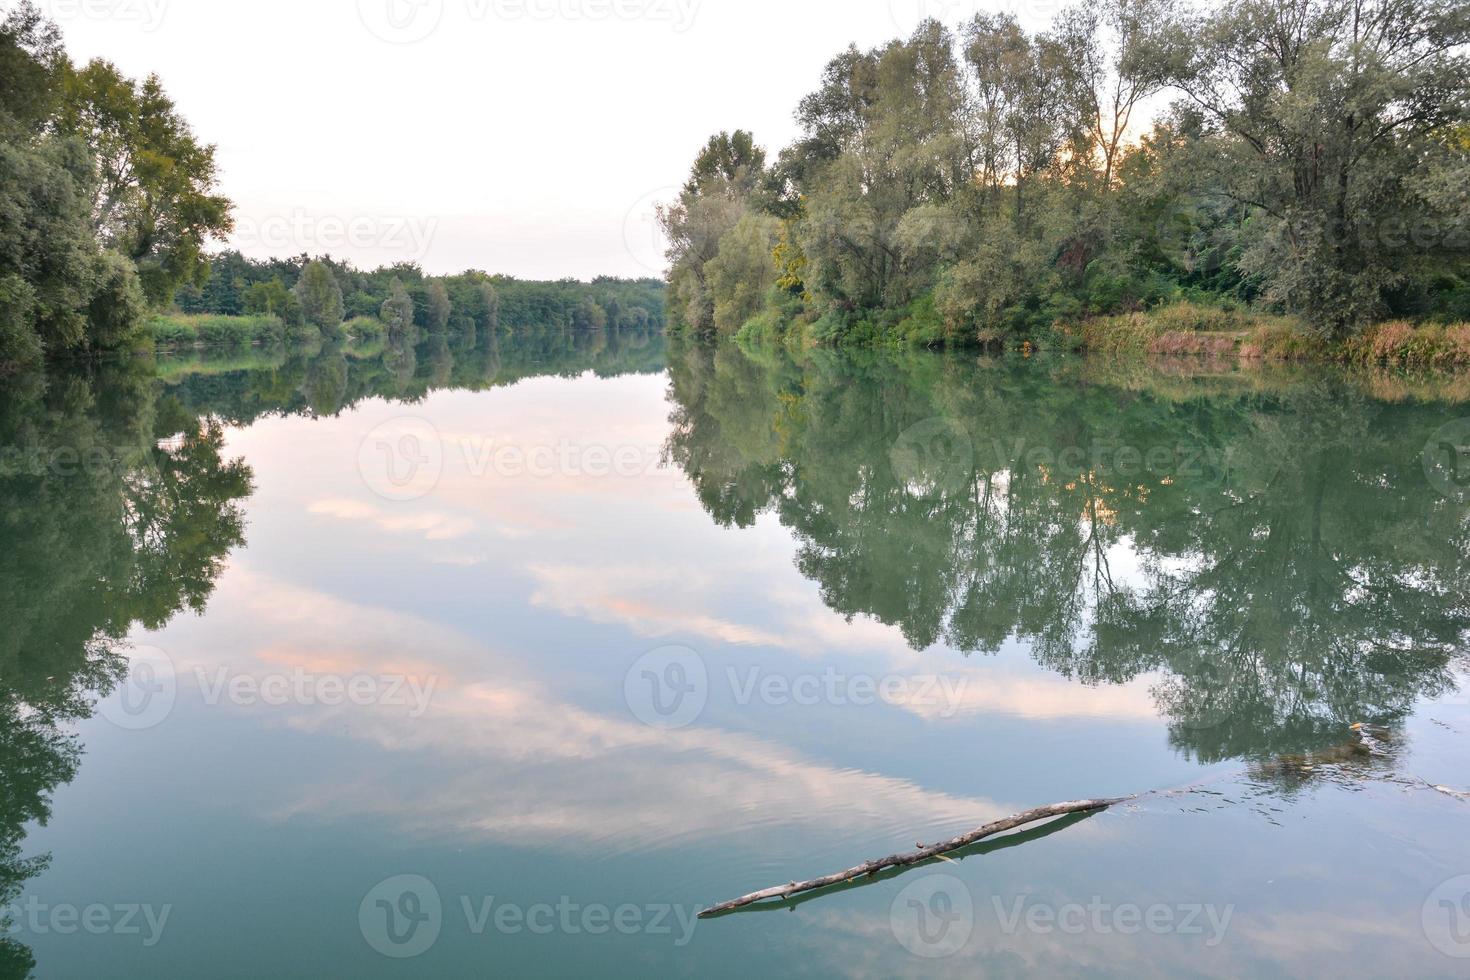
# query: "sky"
531,138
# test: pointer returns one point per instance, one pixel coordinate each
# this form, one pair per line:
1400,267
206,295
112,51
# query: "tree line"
320,295
108,201
1309,157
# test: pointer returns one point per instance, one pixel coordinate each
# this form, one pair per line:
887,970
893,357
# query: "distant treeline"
323,293
1306,157
109,203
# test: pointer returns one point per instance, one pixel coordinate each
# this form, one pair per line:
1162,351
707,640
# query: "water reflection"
119,508
1257,558
1268,546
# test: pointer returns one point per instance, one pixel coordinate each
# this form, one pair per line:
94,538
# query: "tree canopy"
1302,156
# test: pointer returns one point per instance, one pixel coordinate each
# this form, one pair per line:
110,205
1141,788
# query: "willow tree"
1333,120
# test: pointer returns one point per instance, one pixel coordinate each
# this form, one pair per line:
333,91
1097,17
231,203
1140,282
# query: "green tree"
272,298
1327,119
155,197
437,306
397,312
725,175
320,298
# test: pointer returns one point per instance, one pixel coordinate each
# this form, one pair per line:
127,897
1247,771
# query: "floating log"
872,868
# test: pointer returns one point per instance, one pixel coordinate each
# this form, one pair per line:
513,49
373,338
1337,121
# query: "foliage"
981,503
321,299
106,198
988,185
154,199
179,330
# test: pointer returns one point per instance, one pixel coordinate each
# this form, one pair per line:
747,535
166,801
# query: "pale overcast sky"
528,137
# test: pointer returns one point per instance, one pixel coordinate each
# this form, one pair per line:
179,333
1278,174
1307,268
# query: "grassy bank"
180,331
1190,329
173,331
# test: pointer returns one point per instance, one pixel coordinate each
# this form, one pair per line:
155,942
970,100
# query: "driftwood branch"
872,868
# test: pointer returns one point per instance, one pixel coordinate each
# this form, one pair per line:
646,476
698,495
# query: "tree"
155,198
1116,58
31,59
320,298
397,312
725,175
1328,119
272,298
438,306
490,301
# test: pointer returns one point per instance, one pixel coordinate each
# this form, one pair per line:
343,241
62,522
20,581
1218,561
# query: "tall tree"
1332,119
321,298
155,199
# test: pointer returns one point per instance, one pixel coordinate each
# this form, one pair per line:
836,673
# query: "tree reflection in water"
1265,544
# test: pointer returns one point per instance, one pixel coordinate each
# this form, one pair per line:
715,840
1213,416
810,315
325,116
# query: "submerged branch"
920,856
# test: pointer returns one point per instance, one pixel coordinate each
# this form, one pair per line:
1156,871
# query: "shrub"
175,330
364,328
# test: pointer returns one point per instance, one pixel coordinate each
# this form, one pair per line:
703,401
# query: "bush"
1280,341
177,330
364,328
1403,344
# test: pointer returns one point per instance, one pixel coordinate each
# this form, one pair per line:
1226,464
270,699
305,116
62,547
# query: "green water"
504,658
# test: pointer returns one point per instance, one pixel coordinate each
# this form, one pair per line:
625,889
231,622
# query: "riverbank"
1187,329
180,331
1182,329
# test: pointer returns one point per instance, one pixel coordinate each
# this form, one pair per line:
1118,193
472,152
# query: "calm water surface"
505,658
